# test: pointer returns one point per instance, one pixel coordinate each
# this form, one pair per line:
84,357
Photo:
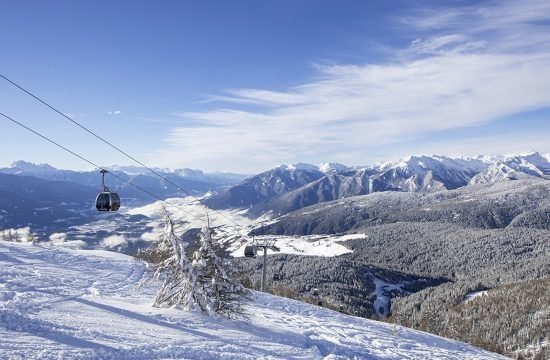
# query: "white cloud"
114,112
483,64
73,116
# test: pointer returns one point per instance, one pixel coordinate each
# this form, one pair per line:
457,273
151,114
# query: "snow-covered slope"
514,167
65,304
313,245
496,173
426,173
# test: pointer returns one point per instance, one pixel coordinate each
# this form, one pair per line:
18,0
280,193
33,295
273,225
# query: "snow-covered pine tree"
209,283
218,289
179,281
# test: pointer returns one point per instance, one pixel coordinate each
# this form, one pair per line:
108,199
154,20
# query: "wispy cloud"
114,112
73,116
467,67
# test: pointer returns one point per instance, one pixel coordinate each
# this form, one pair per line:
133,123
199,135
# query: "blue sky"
245,85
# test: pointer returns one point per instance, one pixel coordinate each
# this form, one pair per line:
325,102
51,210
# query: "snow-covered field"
59,303
313,245
230,225
224,221
191,211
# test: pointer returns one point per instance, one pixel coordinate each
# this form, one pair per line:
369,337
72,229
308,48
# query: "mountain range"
287,188
49,199
192,180
37,194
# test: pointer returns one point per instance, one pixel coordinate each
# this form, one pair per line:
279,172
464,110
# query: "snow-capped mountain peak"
190,173
334,168
297,166
532,163
289,187
25,166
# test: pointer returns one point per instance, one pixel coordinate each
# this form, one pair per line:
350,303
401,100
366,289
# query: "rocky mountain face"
265,187
287,188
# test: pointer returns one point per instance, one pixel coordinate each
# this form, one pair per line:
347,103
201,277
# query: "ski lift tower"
251,251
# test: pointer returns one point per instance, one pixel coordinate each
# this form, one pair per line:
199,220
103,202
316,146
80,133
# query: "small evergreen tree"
218,288
177,288
209,283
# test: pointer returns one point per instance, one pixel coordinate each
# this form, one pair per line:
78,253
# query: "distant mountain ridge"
193,181
30,201
48,199
49,172
286,188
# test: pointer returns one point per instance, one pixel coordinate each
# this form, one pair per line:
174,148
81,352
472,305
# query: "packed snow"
312,245
58,303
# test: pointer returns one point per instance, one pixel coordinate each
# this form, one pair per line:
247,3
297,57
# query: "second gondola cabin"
250,251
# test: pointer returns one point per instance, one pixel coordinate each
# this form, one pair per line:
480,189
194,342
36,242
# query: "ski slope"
58,303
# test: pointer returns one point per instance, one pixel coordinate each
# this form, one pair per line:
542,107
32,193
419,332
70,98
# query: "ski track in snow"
64,304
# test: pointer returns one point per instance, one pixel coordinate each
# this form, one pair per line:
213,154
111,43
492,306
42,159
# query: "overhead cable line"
95,165
116,148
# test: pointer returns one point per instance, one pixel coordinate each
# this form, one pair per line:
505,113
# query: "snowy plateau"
58,303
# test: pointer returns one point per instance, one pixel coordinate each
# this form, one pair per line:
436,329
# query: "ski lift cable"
116,148
95,165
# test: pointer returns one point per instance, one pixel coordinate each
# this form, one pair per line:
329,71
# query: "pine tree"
179,281
209,283
218,289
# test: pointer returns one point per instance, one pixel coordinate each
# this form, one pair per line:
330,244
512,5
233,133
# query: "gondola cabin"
250,251
276,277
107,201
